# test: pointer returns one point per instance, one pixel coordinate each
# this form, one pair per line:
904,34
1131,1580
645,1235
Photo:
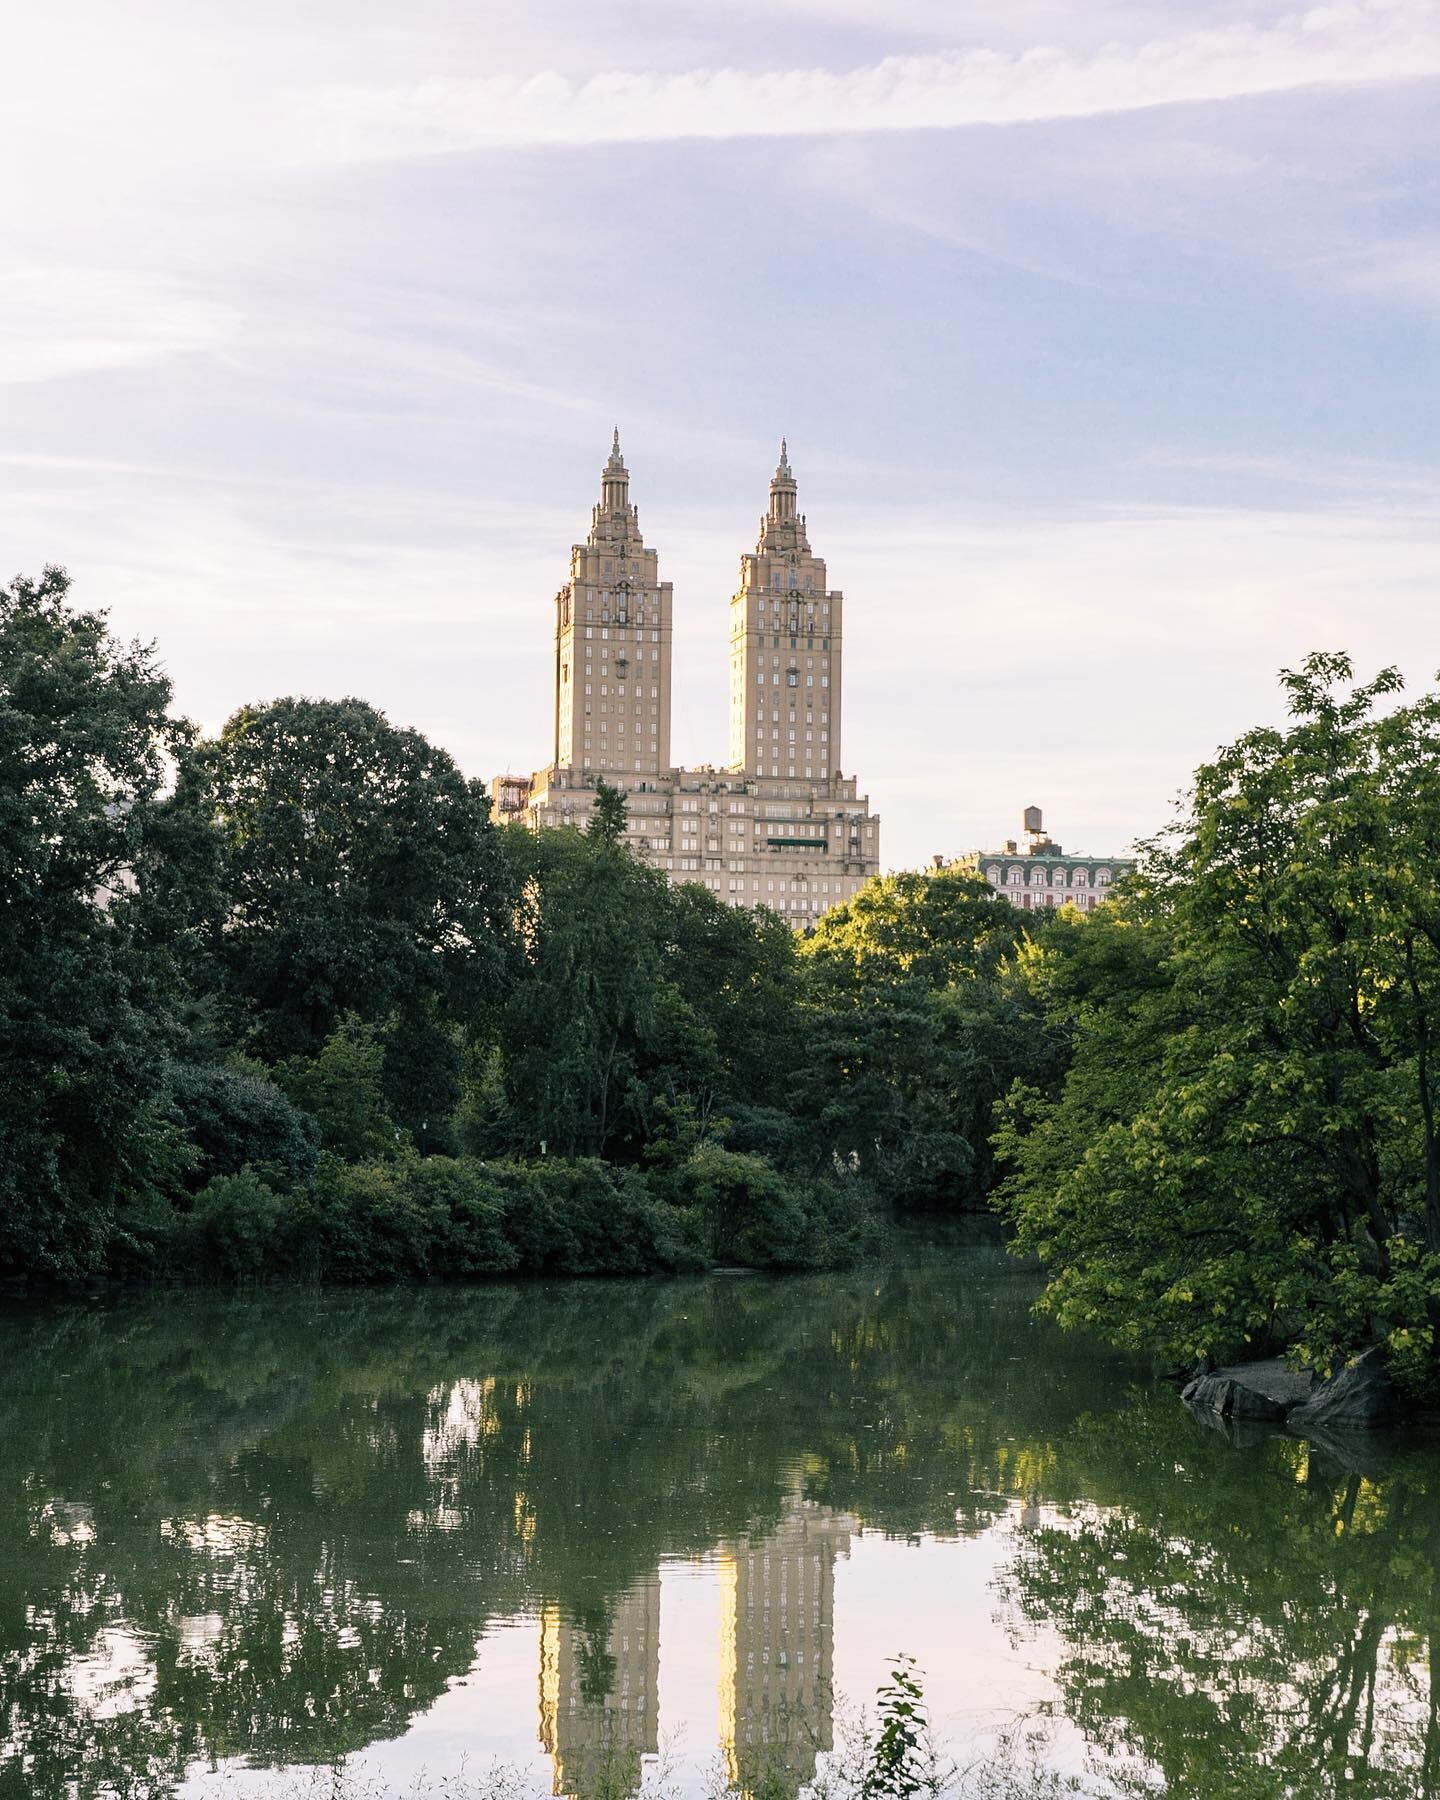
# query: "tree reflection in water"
275,1528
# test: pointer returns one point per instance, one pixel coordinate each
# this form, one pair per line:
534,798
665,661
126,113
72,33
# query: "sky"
1104,338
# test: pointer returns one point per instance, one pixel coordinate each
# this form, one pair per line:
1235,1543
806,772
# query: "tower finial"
783,472
615,479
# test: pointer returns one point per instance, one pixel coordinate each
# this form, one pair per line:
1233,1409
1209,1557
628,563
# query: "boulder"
1258,1390
1362,1394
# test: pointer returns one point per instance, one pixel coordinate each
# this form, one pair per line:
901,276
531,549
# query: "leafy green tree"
593,1006
608,819
358,872
1243,1154
918,1018
421,1075
85,742
342,1089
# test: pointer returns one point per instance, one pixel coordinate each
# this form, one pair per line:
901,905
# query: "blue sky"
1105,339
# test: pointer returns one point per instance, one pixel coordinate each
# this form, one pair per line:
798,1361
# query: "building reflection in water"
777,1645
600,1683
600,1692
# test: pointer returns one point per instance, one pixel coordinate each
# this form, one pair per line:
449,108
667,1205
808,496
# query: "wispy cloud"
1355,42
1405,268
1367,480
58,321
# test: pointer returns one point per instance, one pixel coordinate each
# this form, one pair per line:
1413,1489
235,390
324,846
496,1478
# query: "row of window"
1015,877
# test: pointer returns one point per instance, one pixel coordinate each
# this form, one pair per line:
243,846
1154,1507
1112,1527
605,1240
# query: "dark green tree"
608,819
1244,1155
236,1117
342,1089
359,873
919,1016
85,743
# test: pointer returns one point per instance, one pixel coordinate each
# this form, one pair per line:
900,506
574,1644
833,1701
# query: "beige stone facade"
780,825
1035,872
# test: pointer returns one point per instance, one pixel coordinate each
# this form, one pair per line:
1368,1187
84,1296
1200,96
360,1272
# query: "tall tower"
778,826
612,645
785,640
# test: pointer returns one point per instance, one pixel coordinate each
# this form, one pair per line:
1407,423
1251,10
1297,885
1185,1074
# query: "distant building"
779,826
1037,872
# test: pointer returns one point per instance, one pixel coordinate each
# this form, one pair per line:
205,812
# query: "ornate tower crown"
615,480
783,528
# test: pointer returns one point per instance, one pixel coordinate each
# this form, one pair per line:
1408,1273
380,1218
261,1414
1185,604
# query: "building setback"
779,825
1041,874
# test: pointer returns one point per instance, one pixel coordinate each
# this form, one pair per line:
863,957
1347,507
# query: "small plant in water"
900,1760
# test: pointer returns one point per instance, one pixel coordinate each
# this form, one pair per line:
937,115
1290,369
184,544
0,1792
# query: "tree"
592,1003
342,1090
918,1019
235,1118
85,743
1243,1154
359,872
608,819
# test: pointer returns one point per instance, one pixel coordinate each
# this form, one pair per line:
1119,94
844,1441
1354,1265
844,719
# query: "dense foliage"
287,1002
1243,1153
84,741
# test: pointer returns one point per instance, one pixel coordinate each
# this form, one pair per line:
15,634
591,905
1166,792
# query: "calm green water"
553,1523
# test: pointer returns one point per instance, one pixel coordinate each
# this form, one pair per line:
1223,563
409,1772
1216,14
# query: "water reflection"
274,1532
777,1644
600,1691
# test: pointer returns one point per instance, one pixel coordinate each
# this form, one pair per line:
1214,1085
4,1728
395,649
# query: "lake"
684,1525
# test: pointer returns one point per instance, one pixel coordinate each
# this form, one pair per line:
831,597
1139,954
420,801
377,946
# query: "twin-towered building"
779,824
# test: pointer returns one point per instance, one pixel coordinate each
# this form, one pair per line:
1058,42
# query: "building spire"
615,480
782,487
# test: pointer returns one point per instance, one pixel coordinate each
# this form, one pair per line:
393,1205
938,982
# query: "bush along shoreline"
456,1217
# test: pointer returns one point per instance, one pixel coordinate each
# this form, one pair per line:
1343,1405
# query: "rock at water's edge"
1258,1390
1362,1394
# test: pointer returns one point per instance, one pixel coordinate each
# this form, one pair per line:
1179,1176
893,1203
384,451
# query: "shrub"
463,1205
235,1226
584,1217
235,1118
360,1223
